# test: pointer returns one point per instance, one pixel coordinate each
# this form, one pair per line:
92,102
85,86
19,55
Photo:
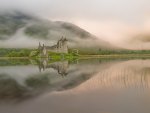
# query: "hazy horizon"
118,22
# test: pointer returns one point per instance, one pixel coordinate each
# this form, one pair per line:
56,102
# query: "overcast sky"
128,10
105,18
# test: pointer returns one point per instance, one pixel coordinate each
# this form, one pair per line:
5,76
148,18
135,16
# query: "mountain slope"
33,28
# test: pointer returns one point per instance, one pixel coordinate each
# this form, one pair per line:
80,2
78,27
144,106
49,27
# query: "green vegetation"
73,53
34,53
59,56
55,56
13,62
111,52
108,52
7,52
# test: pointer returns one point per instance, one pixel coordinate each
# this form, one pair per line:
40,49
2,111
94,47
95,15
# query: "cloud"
115,21
95,9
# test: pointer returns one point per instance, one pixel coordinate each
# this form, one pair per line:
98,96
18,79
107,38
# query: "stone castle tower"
60,47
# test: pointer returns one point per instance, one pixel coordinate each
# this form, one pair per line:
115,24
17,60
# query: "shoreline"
115,56
95,56
1,58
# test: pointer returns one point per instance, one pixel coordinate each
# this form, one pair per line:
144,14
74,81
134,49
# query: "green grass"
14,52
64,56
34,53
13,62
111,52
54,56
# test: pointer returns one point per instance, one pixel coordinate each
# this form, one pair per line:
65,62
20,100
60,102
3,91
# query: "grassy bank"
15,52
30,53
116,56
112,52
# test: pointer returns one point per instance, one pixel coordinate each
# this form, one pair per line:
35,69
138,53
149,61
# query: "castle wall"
61,47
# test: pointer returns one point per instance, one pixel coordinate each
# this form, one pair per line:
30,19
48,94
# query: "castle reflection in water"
61,67
117,76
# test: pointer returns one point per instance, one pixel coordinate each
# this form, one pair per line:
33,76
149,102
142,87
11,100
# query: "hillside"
34,29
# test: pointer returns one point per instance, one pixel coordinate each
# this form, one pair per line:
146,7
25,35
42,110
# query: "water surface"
81,86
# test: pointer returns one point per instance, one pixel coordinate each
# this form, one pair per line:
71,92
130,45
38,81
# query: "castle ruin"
60,47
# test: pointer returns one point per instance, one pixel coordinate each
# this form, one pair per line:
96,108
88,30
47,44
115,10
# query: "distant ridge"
42,29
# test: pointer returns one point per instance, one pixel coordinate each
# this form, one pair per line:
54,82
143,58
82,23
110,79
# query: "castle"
60,47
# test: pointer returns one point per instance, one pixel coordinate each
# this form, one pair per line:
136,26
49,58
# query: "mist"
122,23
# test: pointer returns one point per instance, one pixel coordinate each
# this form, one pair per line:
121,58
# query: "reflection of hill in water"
133,74
26,81
9,88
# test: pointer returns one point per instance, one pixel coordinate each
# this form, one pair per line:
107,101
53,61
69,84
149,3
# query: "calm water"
83,86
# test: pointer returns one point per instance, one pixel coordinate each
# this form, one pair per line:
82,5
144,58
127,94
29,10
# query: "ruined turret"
65,45
60,47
